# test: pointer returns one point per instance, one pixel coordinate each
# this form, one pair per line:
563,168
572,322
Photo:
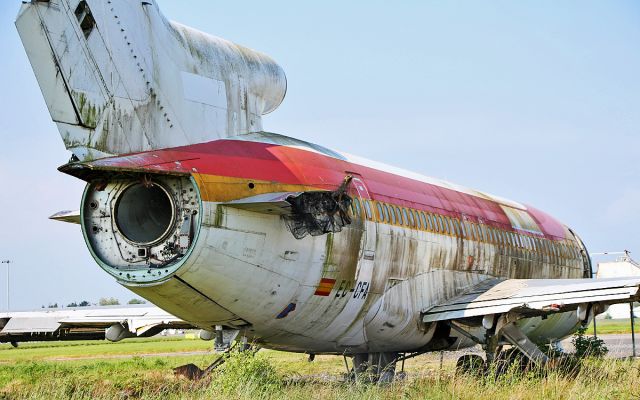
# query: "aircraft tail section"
119,78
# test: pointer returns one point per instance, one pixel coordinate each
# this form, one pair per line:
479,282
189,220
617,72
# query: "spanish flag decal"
325,286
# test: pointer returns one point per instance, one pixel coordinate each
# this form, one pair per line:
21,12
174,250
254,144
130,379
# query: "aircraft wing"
85,323
534,297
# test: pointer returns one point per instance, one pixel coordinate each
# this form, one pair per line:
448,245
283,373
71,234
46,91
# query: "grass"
87,349
612,326
30,372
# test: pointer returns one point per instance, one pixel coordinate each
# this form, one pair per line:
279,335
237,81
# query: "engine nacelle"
141,228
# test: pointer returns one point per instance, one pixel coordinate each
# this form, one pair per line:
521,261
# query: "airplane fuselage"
413,242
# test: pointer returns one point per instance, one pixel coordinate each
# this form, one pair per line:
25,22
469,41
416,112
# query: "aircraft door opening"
350,334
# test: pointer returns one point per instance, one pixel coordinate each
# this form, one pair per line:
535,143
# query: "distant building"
622,267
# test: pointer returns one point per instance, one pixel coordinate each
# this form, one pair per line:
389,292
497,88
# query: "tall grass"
245,376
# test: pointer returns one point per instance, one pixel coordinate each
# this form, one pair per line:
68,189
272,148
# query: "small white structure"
623,266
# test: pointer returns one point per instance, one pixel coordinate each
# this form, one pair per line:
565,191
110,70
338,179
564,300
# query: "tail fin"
118,78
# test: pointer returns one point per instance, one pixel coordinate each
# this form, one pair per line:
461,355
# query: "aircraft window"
456,226
445,225
441,223
392,213
412,221
357,205
452,228
85,18
481,233
464,232
367,208
380,212
423,217
386,212
472,233
399,215
418,219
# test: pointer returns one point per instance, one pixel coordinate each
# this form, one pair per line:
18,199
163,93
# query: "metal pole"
8,262
595,333
633,333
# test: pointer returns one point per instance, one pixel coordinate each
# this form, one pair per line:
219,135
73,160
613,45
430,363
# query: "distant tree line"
104,301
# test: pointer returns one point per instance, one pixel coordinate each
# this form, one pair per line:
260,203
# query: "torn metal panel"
317,213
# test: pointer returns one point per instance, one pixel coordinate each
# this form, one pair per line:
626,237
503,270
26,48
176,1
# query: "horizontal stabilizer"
533,296
72,217
267,203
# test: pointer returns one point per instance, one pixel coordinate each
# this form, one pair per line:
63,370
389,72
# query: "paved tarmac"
619,345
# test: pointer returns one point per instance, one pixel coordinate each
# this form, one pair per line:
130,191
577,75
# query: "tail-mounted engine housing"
141,228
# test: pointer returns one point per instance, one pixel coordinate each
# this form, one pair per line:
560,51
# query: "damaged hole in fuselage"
144,214
317,213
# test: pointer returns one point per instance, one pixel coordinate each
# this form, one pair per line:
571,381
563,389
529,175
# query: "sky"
536,101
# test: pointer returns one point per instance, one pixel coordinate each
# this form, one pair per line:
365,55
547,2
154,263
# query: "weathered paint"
361,289
127,86
182,110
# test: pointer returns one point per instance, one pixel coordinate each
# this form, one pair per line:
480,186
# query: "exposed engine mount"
140,228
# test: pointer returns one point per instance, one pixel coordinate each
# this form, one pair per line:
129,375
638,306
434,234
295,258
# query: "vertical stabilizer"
118,78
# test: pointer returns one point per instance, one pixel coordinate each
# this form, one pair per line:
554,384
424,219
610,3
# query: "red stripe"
262,161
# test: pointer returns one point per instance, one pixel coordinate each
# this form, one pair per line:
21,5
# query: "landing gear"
500,331
471,364
374,367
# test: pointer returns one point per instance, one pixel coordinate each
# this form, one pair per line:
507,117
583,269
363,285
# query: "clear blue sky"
538,101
